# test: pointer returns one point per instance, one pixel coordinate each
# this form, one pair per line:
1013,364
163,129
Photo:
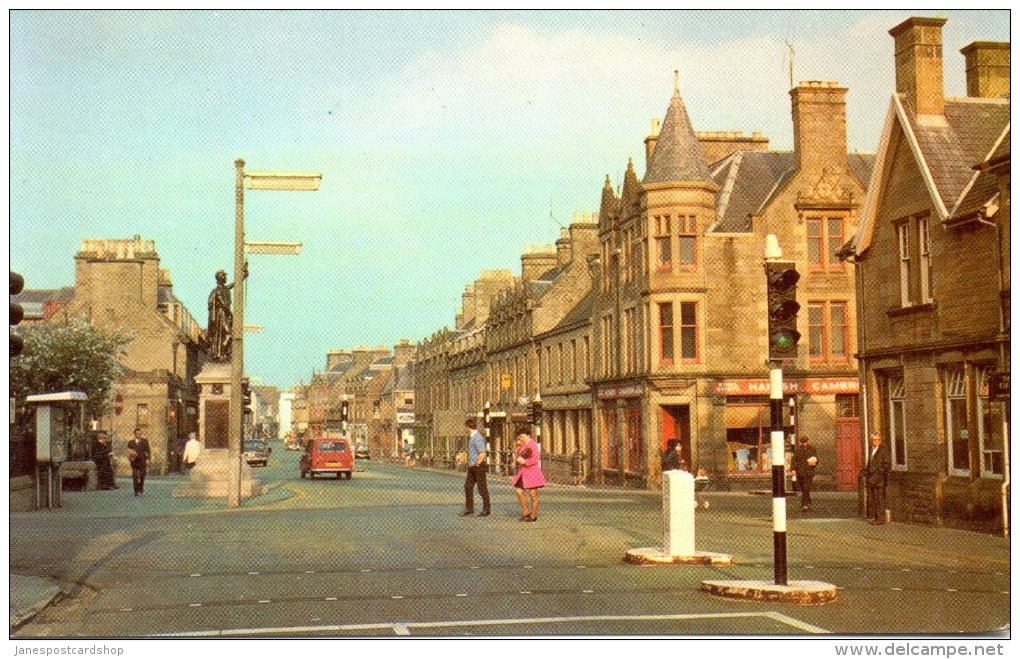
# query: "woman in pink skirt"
529,474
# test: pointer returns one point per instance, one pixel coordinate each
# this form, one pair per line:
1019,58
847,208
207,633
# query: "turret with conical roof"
677,155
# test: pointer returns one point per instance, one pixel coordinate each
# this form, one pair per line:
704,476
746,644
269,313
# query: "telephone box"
57,416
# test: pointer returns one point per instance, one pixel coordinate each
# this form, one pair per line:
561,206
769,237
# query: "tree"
71,356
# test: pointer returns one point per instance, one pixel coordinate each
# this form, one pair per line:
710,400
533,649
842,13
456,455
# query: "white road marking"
264,601
405,628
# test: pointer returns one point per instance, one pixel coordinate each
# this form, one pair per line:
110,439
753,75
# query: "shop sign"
802,386
998,387
629,391
405,418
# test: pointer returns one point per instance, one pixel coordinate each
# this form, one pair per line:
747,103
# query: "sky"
447,140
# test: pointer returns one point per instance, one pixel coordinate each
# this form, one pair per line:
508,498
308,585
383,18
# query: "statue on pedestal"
221,319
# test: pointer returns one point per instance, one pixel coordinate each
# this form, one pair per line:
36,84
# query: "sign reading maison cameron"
803,386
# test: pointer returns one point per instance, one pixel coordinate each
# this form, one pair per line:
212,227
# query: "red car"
327,456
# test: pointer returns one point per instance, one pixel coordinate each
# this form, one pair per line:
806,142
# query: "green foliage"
71,356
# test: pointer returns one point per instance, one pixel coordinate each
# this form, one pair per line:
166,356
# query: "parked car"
327,456
256,452
361,452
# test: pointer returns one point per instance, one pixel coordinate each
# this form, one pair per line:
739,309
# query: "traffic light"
536,411
782,279
344,411
17,313
246,407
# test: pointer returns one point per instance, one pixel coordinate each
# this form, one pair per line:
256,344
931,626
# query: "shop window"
957,429
632,430
990,436
610,437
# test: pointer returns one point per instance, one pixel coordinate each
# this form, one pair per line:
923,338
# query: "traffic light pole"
778,443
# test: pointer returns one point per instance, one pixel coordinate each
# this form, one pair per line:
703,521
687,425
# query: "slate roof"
951,150
581,313
749,179
677,155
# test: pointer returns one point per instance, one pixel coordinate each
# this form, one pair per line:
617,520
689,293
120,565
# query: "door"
848,454
675,422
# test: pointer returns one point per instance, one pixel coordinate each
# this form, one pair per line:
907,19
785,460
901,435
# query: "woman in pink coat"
529,474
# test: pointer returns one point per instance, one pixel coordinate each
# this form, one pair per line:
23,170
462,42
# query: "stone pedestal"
211,474
210,477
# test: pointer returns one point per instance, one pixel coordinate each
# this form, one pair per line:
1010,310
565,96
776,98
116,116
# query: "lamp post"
256,181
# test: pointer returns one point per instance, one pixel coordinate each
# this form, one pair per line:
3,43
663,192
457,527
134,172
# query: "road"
386,554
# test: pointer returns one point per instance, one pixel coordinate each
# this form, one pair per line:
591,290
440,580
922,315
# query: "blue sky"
447,141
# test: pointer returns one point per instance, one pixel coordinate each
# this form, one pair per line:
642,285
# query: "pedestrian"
805,460
476,468
192,450
138,455
671,459
102,454
529,474
876,477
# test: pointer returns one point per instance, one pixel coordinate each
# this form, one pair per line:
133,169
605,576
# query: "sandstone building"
932,263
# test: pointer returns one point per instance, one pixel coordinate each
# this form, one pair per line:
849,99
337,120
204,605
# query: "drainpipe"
1002,361
862,375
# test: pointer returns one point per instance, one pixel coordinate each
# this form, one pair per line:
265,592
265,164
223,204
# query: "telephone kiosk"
57,416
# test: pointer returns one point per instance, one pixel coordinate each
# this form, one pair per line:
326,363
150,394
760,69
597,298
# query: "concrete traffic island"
678,506
795,592
656,556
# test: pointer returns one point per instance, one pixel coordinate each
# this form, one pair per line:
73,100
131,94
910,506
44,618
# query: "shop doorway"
676,424
848,454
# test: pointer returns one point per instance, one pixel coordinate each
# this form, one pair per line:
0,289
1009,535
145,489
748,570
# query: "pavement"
30,594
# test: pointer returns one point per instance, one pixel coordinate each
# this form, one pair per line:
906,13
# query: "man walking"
805,459
138,455
192,450
476,469
876,476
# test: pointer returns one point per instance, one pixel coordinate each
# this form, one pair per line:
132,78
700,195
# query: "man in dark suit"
876,476
138,455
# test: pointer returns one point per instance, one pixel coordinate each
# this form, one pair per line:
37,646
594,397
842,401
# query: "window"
897,407
573,360
142,415
610,437
989,429
585,357
828,332
666,333
663,243
632,436
689,332
824,239
957,432
903,233
629,352
688,228
924,250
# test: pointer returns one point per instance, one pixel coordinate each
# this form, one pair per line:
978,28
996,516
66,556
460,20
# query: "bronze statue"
221,319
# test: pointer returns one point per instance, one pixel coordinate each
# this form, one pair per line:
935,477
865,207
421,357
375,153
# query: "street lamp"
255,181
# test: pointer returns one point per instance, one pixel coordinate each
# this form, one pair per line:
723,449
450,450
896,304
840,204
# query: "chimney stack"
819,125
918,46
650,142
987,69
536,261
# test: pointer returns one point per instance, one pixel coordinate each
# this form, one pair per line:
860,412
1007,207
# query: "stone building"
679,313
932,264
119,285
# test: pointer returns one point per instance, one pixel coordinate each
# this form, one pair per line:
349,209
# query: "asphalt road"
386,555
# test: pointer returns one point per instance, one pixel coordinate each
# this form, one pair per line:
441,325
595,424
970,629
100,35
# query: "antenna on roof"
553,217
